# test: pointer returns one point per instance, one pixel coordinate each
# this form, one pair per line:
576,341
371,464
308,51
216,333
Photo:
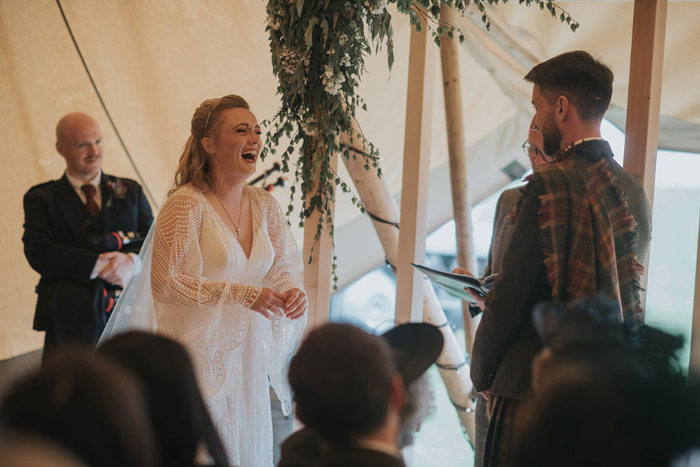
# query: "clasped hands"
119,269
291,304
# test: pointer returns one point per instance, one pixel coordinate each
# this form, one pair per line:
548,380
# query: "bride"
226,278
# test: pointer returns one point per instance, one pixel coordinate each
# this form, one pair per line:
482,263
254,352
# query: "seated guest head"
87,404
180,419
415,346
608,392
582,340
20,450
346,385
596,422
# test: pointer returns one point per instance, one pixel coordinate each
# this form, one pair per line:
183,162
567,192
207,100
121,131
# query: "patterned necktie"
90,203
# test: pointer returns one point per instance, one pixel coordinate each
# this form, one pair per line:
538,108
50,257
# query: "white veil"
134,309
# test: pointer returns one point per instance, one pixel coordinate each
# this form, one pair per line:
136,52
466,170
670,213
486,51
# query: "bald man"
79,234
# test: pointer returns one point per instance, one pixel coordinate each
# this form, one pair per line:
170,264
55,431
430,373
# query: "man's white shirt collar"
77,186
592,138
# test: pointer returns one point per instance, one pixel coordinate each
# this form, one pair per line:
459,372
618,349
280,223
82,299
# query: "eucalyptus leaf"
308,35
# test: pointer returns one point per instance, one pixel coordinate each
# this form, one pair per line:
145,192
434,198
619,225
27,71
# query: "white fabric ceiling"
155,61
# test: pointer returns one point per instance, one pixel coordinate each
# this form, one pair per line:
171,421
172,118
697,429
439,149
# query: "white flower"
380,8
343,39
332,82
273,24
345,61
333,88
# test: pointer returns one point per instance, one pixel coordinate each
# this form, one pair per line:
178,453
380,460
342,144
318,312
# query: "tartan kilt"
499,448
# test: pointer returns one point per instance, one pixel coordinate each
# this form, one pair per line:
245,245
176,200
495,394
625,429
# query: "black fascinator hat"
416,346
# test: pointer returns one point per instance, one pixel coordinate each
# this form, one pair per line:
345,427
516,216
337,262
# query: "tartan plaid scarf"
587,233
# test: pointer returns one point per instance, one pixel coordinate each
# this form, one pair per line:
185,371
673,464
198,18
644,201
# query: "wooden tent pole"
644,91
317,274
454,122
644,98
377,198
416,170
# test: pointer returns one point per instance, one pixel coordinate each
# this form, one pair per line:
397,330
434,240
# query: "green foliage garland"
318,54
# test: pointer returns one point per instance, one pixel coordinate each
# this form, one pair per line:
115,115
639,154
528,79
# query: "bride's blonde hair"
196,164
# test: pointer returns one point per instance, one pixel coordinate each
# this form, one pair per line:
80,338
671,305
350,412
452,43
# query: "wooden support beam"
416,169
644,98
317,274
377,198
454,122
644,92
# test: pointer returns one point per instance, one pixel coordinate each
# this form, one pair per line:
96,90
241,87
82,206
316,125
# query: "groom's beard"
551,137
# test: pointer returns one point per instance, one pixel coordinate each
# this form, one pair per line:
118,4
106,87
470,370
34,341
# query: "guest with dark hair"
415,346
87,404
347,388
31,451
608,392
180,419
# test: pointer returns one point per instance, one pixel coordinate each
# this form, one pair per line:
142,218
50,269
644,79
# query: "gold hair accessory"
207,123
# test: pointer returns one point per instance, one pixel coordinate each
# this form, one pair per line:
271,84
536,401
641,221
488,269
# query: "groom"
79,235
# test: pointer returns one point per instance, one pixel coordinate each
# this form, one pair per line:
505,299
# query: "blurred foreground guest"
179,417
28,451
348,389
608,393
88,405
415,347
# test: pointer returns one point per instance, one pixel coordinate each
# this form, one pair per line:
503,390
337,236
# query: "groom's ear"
208,145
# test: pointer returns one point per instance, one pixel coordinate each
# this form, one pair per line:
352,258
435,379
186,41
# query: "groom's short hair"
341,378
585,81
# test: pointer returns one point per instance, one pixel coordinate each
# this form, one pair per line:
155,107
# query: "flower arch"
318,55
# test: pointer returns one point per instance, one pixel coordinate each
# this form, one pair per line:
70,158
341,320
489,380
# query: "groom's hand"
119,270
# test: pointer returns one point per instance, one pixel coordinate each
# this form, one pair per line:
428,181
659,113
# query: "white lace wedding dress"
202,283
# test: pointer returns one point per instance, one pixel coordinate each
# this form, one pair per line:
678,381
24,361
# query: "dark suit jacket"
356,457
506,343
58,234
305,448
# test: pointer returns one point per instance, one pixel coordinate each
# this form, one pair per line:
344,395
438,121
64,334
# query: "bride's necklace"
240,211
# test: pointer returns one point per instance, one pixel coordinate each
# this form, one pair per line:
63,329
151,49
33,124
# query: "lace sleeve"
287,272
176,274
